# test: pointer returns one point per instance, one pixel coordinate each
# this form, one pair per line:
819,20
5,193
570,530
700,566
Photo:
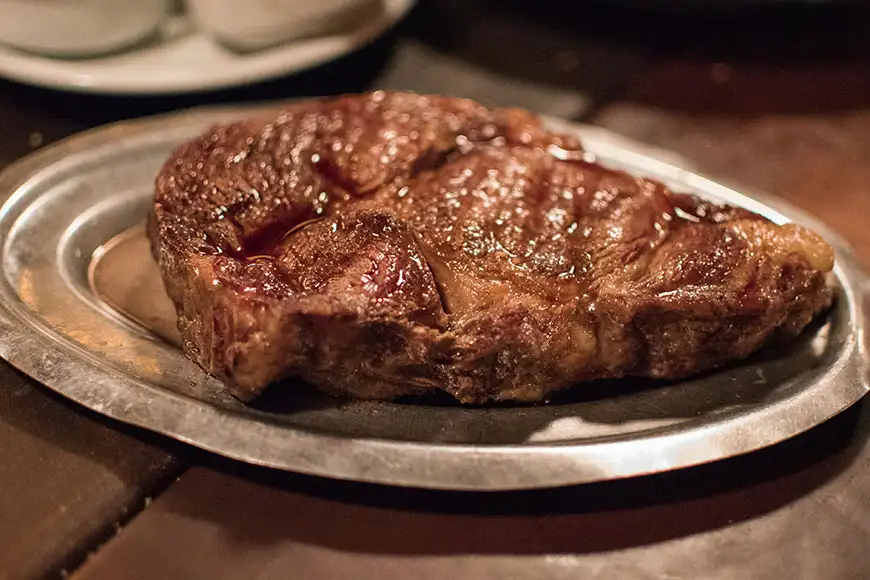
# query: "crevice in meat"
439,284
432,159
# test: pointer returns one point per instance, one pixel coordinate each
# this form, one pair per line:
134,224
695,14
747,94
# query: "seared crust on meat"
390,244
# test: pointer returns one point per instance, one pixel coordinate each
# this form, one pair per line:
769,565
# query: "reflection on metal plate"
83,311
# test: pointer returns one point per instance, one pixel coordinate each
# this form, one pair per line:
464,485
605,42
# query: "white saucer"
181,59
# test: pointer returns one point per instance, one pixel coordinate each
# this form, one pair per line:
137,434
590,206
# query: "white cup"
78,27
255,24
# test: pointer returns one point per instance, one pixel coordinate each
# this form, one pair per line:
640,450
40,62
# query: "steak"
393,244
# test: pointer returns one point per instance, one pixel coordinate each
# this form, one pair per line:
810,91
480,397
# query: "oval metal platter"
62,204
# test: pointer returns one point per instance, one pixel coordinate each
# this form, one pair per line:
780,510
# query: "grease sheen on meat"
390,244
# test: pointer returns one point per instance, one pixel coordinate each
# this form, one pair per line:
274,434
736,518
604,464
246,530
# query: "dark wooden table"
778,99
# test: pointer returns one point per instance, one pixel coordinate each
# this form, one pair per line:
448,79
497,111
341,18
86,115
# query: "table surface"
775,98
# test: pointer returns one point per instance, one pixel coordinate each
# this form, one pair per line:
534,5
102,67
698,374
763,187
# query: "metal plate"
65,202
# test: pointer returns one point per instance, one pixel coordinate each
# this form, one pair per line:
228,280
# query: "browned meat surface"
391,244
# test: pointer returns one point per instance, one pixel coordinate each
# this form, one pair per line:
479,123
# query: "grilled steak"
392,244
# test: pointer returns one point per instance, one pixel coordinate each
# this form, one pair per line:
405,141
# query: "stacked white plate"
178,56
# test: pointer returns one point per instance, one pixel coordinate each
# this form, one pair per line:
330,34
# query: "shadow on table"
780,57
539,43
791,59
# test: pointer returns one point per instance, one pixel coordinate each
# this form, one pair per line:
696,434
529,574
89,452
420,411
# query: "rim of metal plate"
34,347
